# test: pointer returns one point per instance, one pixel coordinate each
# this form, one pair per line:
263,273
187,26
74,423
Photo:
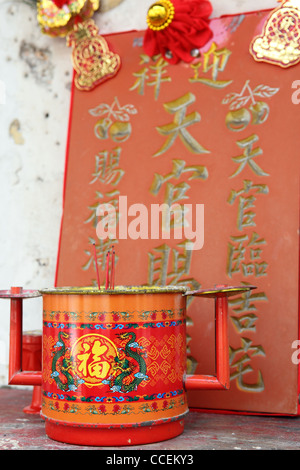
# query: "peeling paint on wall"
38,61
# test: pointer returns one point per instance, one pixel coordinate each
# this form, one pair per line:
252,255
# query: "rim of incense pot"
218,290
117,290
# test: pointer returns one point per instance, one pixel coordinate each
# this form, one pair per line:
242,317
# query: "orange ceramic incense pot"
114,361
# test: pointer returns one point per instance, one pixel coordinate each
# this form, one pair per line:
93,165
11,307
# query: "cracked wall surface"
35,81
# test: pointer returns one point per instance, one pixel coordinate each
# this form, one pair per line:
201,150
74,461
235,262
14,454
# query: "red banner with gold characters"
218,140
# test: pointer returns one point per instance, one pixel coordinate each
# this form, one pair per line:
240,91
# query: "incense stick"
96,265
107,270
112,274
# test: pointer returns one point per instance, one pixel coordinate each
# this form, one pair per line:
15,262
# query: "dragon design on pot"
131,370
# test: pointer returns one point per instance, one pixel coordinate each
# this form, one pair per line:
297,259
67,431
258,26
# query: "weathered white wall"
35,78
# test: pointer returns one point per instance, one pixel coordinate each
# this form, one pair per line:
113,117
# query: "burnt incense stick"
96,265
107,270
112,274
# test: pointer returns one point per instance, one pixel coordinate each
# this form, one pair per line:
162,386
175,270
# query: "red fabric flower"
188,30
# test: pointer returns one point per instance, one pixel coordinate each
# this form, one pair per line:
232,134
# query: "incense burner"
114,361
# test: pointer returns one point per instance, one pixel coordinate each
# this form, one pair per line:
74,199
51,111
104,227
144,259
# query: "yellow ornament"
160,15
93,62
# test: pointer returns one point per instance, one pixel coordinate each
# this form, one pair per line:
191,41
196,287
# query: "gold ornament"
93,62
58,22
160,15
280,42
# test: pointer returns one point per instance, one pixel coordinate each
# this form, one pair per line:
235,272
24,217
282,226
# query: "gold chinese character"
245,322
159,70
246,216
215,60
178,128
180,259
248,155
245,302
140,82
236,256
102,247
158,265
111,207
242,366
236,253
107,169
91,363
178,168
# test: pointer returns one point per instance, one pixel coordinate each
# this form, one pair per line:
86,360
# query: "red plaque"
221,136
